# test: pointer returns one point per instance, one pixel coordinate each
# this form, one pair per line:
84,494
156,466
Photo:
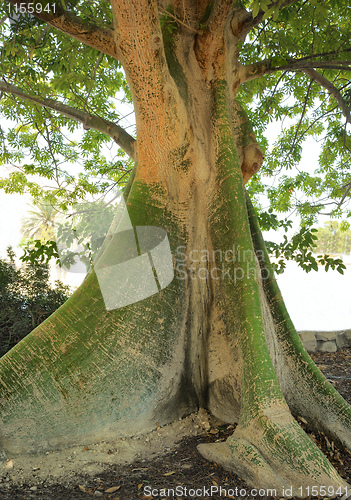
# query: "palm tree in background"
39,222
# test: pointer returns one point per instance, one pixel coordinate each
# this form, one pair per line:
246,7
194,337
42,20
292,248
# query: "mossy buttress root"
268,448
306,389
273,452
88,374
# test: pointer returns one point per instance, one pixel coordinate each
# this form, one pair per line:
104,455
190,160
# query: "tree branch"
255,70
179,21
210,43
301,118
341,201
96,37
304,132
117,133
324,82
324,54
298,65
139,39
158,103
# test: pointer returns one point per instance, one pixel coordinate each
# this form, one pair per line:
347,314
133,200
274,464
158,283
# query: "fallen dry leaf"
9,464
112,489
140,486
82,488
169,473
302,420
327,441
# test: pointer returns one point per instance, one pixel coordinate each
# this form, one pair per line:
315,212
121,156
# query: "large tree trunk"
218,336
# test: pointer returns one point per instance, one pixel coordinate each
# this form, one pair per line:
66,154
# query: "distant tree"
26,299
39,222
333,238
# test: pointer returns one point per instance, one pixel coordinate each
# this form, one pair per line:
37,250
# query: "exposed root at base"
270,456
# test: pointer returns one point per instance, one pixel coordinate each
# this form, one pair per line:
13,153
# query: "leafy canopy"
304,42
39,141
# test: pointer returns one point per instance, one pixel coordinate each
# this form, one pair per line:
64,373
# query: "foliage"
39,141
70,237
305,108
38,231
26,299
38,251
300,249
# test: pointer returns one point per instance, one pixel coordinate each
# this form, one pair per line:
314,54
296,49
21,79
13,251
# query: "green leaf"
268,13
255,9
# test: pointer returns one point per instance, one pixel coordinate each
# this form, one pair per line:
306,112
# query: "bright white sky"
12,209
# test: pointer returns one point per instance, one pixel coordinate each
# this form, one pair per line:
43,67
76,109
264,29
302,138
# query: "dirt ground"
137,469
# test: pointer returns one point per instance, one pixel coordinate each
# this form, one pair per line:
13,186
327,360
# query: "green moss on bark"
230,227
316,399
87,372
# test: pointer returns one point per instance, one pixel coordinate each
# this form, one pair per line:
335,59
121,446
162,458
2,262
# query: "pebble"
98,493
33,488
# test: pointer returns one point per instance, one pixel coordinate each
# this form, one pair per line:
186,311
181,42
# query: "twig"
302,116
179,21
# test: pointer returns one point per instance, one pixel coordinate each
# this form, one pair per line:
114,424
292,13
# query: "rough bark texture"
218,336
